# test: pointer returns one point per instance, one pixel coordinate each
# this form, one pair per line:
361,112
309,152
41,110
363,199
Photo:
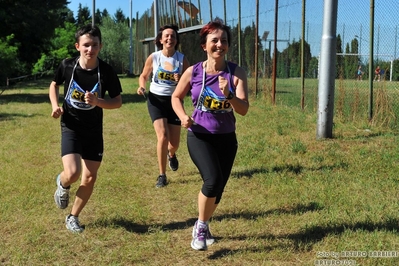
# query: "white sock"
201,223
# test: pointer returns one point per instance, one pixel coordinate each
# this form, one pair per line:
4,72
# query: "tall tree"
9,61
120,17
340,59
115,38
249,49
32,22
62,47
83,17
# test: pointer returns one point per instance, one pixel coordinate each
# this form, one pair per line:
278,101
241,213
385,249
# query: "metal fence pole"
371,59
327,70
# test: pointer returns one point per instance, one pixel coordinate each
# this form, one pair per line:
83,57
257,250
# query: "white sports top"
163,69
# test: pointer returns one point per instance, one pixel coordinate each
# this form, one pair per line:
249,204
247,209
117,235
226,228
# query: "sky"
353,19
139,6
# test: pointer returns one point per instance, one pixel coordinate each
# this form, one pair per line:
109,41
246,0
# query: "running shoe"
61,195
209,238
173,162
72,224
199,239
161,181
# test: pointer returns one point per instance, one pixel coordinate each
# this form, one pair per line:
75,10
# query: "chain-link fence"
356,99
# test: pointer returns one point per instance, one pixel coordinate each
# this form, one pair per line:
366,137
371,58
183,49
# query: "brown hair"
157,40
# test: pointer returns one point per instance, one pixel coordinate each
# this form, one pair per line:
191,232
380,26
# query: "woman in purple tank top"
218,89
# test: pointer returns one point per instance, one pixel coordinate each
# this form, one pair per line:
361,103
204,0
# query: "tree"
32,23
116,46
340,59
289,60
8,55
62,47
120,17
83,17
249,49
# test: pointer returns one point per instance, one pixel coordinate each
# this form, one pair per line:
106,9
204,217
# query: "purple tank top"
212,114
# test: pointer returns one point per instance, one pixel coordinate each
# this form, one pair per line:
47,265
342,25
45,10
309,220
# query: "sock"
68,187
201,223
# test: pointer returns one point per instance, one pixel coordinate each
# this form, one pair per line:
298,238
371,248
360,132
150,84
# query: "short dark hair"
157,40
216,24
90,29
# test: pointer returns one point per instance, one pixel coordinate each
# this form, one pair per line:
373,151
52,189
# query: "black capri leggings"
214,155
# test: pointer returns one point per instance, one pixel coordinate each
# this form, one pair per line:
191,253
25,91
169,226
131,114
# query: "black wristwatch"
230,96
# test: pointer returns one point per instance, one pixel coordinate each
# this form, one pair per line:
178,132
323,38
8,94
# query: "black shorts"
161,107
89,146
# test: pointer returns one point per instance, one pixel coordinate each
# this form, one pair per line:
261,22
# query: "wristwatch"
230,96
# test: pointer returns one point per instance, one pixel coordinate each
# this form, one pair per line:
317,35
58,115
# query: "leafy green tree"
105,13
98,17
249,49
120,17
32,23
63,47
313,69
116,44
289,60
340,58
9,60
84,16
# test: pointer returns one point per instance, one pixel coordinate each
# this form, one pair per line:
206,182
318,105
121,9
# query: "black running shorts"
161,107
89,146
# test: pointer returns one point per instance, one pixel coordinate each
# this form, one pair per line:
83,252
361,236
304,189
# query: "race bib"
210,102
76,96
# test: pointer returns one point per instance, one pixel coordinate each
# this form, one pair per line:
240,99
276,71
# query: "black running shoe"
161,181
173,162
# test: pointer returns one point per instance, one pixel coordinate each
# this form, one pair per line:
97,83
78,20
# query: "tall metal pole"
275,53
303,56
361,37
396,43
239,32
256,47
210,9
156,22
131,40
93,12
328,52
371,59
224,11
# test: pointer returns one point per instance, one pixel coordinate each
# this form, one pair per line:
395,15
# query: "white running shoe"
72,224
209,238
61,195
199,237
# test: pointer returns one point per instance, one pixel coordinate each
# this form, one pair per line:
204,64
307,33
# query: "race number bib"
210,102
76,96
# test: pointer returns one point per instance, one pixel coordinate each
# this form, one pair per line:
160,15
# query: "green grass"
290,198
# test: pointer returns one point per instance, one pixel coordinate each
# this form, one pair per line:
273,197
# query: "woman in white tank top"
166,67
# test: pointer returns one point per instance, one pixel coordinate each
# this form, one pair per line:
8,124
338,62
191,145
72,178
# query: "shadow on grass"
313,234
4,117
293,168
128,225
24,98
291,210
299,242
133,227
228,252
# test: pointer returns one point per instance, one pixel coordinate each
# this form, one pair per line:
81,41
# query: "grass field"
291,199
